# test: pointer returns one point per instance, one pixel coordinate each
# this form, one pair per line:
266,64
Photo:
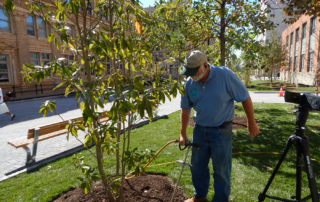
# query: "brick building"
301,43
24,40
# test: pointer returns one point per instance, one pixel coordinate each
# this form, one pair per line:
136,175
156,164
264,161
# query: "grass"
253,159
264,85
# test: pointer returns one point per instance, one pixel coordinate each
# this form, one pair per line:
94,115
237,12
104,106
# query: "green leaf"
88,140
59,85
50,37
9,5
83,106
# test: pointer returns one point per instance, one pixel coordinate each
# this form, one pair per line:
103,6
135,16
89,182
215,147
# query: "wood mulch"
145,188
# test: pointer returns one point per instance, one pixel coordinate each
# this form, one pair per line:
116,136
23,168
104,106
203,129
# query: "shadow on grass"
276,126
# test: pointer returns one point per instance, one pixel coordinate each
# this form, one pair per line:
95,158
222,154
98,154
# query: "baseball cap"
192,62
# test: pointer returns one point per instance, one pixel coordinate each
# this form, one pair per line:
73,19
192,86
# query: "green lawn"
264,85
253,159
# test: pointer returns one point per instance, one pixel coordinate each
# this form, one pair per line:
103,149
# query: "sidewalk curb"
271,92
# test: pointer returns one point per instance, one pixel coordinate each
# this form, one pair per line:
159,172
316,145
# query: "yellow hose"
173,141
158,152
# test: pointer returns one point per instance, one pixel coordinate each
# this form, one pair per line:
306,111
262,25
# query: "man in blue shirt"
211,92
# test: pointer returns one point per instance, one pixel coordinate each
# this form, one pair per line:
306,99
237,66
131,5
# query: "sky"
147,3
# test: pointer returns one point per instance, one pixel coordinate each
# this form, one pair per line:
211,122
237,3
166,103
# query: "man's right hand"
182,140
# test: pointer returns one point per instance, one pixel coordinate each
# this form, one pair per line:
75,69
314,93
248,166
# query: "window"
312,40
45,58
89,8
42,28
287,48
296,50
4,70
310,62
35,59
30,26
291,50
69,59
303,46
4,21
40,58
36,26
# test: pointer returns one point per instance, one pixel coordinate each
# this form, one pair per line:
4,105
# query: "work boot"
196,199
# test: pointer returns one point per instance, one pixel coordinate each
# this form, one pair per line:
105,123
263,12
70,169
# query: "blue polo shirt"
213,101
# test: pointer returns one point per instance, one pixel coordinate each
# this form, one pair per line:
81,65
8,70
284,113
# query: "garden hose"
174,141
158,152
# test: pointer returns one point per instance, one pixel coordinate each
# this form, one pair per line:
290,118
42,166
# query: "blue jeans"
217,144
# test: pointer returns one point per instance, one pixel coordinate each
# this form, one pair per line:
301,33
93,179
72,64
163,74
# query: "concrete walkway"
12,160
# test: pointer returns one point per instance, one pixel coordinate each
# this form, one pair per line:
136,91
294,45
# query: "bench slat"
24,141
51,128
47,132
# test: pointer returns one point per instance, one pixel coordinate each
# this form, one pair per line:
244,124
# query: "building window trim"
312,40
303,46
4,62
290,50
296,49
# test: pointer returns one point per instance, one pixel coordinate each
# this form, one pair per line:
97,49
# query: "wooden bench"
42,133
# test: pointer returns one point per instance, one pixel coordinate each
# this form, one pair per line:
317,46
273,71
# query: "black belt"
224,124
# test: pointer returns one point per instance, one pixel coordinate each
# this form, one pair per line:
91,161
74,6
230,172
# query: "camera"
312,102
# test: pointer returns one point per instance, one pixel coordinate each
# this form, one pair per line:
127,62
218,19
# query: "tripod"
301,142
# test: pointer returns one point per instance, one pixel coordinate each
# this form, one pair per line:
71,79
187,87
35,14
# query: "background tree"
272,55
296,8
232,23
250,61
177,29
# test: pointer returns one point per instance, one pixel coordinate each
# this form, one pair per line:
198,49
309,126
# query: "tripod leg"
311,179
298,172
262,195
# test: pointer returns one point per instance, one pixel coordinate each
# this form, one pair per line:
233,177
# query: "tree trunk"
102,173
222,36
271,75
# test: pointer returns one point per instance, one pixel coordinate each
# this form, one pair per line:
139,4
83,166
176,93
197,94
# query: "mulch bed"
145,188
237,123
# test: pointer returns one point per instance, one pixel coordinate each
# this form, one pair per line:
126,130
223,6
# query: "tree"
250,60
233,23
104,36
296,8
272,55
177,29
